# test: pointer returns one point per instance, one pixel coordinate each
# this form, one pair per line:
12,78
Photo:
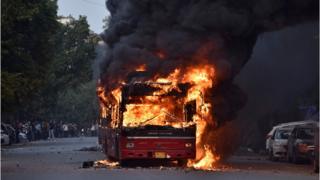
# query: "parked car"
5,140
23,138
283,125
315,157
10,131
279,142
301,143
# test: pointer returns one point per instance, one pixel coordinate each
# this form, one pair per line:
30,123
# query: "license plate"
160,155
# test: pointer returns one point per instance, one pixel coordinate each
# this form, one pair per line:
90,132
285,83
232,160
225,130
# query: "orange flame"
157,110
117,94
141,68
103,99
160,54
208,160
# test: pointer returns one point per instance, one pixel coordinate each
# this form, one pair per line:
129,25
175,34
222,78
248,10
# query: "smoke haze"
188,33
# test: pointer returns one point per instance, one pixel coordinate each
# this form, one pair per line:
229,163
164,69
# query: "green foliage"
71,71
9,86
46,67
26,43
78,104
74,55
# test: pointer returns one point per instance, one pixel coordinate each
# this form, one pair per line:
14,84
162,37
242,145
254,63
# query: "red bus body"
167,143
148,141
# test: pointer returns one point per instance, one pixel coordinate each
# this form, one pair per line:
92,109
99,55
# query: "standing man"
93,130
51,130
38,130
65,130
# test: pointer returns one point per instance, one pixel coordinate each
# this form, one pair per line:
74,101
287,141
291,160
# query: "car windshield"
282,134
305,133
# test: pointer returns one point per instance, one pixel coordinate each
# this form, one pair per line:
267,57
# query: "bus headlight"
130,145
188,145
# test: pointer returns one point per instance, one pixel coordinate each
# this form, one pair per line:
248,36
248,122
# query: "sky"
95,10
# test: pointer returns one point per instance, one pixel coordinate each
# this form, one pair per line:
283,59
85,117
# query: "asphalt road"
61,159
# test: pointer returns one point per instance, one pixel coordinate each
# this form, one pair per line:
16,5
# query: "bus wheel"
182,162
123,162
315,166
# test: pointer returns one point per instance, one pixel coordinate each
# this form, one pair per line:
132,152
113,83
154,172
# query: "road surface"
61,159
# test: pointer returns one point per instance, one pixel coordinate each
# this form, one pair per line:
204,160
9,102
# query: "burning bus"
153,119
149,120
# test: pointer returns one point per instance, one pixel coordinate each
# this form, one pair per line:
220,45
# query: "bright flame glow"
157,110
160,54
141,68
207,162
117,94
105,163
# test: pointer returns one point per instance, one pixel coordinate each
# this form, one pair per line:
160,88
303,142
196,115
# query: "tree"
26,42
74,54
78,104
71,70
46,63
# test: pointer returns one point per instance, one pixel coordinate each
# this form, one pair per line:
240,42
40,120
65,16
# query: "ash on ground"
92,148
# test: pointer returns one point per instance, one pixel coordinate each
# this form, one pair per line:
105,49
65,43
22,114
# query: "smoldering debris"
106,164
87,164
92,148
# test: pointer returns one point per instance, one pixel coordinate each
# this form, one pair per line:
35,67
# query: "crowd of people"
49,130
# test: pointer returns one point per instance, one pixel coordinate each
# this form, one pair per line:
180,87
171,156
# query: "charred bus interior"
149,120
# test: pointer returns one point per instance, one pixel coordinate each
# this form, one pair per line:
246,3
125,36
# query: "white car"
23,138
283,125
5,140
279,143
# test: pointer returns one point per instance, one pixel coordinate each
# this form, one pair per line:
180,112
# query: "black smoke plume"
223,32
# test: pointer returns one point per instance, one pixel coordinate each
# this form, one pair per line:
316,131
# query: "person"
58,129
82,132
38,130
45,130
51,130
33,131
93,130
17,131
72,129
65,130
28,127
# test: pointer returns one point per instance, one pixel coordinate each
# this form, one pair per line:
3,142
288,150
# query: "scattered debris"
87,164
93,148
101,164
106,164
